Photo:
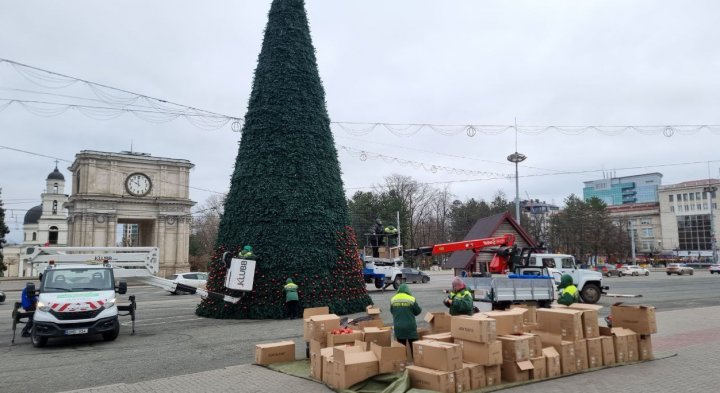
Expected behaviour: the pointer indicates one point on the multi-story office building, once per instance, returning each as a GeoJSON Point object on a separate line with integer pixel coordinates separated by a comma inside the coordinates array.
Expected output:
{"type": "Point", "coordinates": [616, 191]}
{"type": "Point", "coordinates": [642, 221]}
{"type": "Point", "coordinates": [688, 213]}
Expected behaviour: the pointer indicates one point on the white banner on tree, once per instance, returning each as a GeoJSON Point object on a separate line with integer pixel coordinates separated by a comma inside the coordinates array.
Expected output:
{"type": "Point", "coordinates": [240, 275]}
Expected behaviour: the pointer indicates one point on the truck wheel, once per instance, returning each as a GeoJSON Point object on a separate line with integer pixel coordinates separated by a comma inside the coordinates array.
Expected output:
{"type": "Point", "coordinates": [647, 273]}
{"type": "Point", "coordinates": [2, 296]}
{"type": "Point", "coordinates": [37, 341]}
{"type": "Point", "coordinates": [113, 334]}
{"type": "Point", "coordinates": [397, 282]}
{"type": "Point", "coordinates": [425, 280]}
{"type": "Point", "coordinates": [692, 272]}
{"type": "Point", "coordinates": [590, 293]}
{"type": "Point", "coordinates": [668, 274]}
{"type": "Point", "coordinates": [378, 283]}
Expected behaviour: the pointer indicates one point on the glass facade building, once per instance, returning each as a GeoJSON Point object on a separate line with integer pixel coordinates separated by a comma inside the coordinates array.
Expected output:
{"type": "Point", "coordinates": [615, 191]}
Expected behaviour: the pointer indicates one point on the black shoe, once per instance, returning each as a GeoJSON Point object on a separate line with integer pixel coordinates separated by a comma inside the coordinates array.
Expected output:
{"type": "Point", "coordinates": [25, 334]}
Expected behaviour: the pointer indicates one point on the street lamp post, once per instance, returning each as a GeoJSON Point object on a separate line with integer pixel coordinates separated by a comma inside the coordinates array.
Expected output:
{"type": "Point", "coordinates": [517, 158]}
{"type": "Point", "coordinates": [711, 191]}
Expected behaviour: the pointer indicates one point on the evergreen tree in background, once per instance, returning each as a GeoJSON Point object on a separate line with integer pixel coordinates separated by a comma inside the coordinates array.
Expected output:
{"type": "Point", "coordinates": [3, 231]}
{"type": "Point", "coordinates": [286, 195]}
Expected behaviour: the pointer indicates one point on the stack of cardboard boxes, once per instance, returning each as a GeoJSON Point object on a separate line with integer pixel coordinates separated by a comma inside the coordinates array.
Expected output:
{"type": "Point", "coordinates": [342, 360]}
{"type": "Point", "coordinates": [461, 353]}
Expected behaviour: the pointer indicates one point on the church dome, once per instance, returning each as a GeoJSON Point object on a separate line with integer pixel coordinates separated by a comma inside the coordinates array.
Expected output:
{"type": "Point", "coordinates": [56, 175]}
{"type": "Point", "coordinates": [33, 215]}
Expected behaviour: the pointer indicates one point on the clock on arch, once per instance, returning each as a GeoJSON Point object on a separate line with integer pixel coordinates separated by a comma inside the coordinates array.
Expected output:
{"type": "Point", "coordinates": [138, 184]}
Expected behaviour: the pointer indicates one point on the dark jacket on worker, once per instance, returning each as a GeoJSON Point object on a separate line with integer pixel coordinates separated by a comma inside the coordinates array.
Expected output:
{"type": "Point", "coordinates": [404, 308]}
{"type": "Point", "coordinates": [291, 291]}
{"type": "Point", "coordinates": [569, 292]}
{"type": "Point", "coordinates": [462, 302]}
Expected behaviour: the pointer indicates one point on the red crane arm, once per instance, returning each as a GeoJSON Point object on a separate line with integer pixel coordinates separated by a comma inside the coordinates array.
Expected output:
{"type": "Point", "coordinates": [474, 245]}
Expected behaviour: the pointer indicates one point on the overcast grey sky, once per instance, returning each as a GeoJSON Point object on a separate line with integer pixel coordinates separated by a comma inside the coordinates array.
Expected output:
{"type": "Point", "coordinates": [544, 63]}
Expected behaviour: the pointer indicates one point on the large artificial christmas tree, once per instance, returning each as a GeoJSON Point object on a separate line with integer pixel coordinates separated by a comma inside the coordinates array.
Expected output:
{"type": "Point", "coordinates": [286, 195]}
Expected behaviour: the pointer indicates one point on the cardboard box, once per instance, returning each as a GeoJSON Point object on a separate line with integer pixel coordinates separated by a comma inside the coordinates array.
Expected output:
{"type": "Point", "coordinates": [429, 379]}
{"type": "Point", "coordinates": [339, 339]}
{"type": "Point", "coordinates": [633, 347]}
{"type": "Point", "coordinates": [477, 375]}
{"type": "Point", "coordinates": [589, 318]}
{"type": "Point", "coordinates": [645, 350]}
{"type": "Point", "coordinates": [279, 352]}
{"type": "Point", "coordinates": [318, 326]}
{"type": "Point", "coordinates": [462, 380]}
{"type": "Point", "coordinates": [530, 317]}
{"type": "Point", "coordinates": [476, 328]}
{"type": "Point", "coordinates": [309, 312]}
{"type": "Point", "coordinates": [444, 337]}
{"type": "Point", "coordinates": [352, 366]}
{"type": "Point", "coordinates": [373, 310]}
{"type": "Point", "coordinates": [568, 363]}
{"type": "Point", "coordinates": [553, 368]}
{"type": "Point", "coordinates": [581, 356]}
{"type": "Point", "coordinates": [492, 375]}
{"type": "Point", "coordinates": [515, 347]}
{"type": "Point", "coordinates": [639, 319]}
{"type": "Point", "coordinates": [516, 371]}
{"type": "Point", "coordinates": [437, 355]}
{"type": "Point", "coordinates": [316, 358]}
{"type": "Point", "coordinates": [535, 344]}
{"type": "Point", "coordinates": [328, 370]}
{"type": "Point", "coordinates": [539, 370]}
{"type": "Point", "coordinates": [563, 321]}
{"type": "Point", "coordinates": [608, 350]}
{"type": "Point", "coordinates": [380, 336]}
{"type": "Point", "coordinates": [625, 343]}
{"type": "Point", "coordinates": [507, 322]}
{"type": "Point", "coordinates": [594, 352]}
{"type": "Point", "coordinates": [484, 354]}
{"type": "Point", "coordinates": [392, 359]}
{"type": "Point", "coordinates": [439, 321]}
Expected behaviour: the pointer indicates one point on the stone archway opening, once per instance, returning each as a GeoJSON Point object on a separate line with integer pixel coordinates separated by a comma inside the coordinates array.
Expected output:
{"type": "Point", "coordinates": [135, 233]}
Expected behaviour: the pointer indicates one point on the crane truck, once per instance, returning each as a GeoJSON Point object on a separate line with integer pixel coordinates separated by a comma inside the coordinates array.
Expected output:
{"type": "Point", "coordinates": [528, 274]}
{"type": "Point", "coordinates": [78, 289]}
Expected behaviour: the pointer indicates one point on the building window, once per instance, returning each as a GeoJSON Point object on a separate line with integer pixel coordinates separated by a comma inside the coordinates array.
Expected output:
{"type": "Point", "coordinates": [54, 211]}
{"type": "Point", "coordinates": [24, 236]}
{"type": "Point", "coordinates": [699, 206]}
{"type": "Point", "coordinates": [647, 232]}
{"type": "Point", "coordinates": [705, 205]}
{"type": "Point", "coordinates": [685, 197]}
{"type": "Point", "coordinates": [672, 209]}
{"type": "Point", "coordinates": [704, 194]}
{"type": "Point", "coordinates": [647, 246]}
{"type": "Point", "coordinates": [34, 236]}
{"type": "Point", "coordinates": [646, 221]}
{"type": "Point", "coordinates": [697, 195]}
{"type": "Point", "coordinates": [55, 188]}
{"type": "Point", "coordinates": [53, 235]}
{"type": "Point", "coordinates": [694, 232]}
{"type": "Point", "coordinates": [670, 197]}
{"type": "Point", "coordinates": [678, 198]}
{"type": "Point", "coordinates": [692, 196]}
{"type": "Point", "coordinates": [692, 207]}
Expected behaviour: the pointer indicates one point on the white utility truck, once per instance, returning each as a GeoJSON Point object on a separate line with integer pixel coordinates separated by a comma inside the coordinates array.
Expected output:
{"type": "Point", "coordinates": [383, 260]}
{"type": "Point", "coordinates": [588, 282]}
{"type": "Point", "coordinates": [78, 289]}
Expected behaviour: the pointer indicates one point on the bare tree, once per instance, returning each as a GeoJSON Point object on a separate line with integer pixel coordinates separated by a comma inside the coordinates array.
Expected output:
{"type": "Point", "coordinates": [204, 232]}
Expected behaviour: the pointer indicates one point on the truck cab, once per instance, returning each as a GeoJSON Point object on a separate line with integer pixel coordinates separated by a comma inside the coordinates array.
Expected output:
{"type": "Point", "coordinates": [588, 282]}
{"type": "Point", "coordinates": [76, 300]}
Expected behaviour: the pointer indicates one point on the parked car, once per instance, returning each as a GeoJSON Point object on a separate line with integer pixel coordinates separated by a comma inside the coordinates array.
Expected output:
{"type": "Point", "coordinates": [608, 270]}
{"type": "Point", "coordinates": [679, 269]}
{"type": "Point", "coordinates": [194, 279]}
{"type": "Point", "coordinates": [714, 269]}
{"type": "Point", "coordinates": [414, 275]}
{"type": "Point", "coordinates": [634, 270]}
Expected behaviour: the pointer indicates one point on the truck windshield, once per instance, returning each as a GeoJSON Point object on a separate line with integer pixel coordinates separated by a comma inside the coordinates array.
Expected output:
{"type": "Point", "coordinates": [75, 280]}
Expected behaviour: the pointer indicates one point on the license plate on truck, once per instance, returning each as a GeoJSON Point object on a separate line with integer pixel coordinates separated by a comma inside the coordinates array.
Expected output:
{"type": "Point", "coordinates": [69, 332]}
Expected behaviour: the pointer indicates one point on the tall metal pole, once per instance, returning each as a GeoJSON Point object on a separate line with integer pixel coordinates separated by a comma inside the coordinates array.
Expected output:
{"type": "Point", "coordinates": [517, 158]}
{"type": "Point", "coordinates": [710, 191]}
{"type": "Point", "coordinates": [632, 241]}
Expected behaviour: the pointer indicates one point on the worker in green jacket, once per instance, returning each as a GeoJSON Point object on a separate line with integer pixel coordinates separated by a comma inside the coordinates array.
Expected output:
{"type": "Point", "coordinates": [404, 308]}
{"type": "Point", "coordinates": [459, 300]}
{"type": "Point", "coordinates": [569, 292]}
{"type": "Point", "coordinates": [291, 298]}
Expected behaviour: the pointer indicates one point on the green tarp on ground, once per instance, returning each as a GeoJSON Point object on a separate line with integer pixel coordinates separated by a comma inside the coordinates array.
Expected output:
{"type": "Point", "coordinates": [400, 383]}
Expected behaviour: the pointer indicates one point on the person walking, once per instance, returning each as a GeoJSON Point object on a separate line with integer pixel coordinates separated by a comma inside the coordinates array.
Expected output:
{"type": "Point", "coordinates": [29, 303]}
{"type": "Point", "coordinates": [569, 292]}
{"type": "Point", "coordinates": [404, 308]}
{"type": "Point", "coordinates": [459, 300]}
{"type": "Point", "coordinates": [291, 298]}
